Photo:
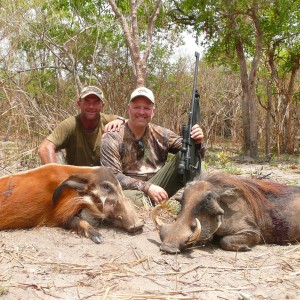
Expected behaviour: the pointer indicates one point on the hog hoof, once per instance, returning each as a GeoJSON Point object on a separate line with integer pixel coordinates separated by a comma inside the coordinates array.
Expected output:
{"type": "Point", "coordinates": [98, 239]}
{"type": "Point", "coordinates": [244, 248]}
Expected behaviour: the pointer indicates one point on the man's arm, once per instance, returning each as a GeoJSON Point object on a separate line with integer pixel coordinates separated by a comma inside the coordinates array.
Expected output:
{"type": "Point", "coordinates": [47, 152]}
{"type": "Point", "coordinates": [111, 157]}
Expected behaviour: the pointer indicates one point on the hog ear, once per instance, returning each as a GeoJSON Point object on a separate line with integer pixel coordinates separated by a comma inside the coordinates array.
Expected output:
{"type": "Point", "coordinates": [217, 209]}
{"type": "Point", "coordinates": [213, 207]}
{"type": "Point", "coordinates": [229, 196]}
{"type": "Point", "coordinates": [76, 181]}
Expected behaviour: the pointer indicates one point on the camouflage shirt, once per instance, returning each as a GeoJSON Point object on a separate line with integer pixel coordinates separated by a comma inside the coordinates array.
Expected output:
{"type": "Point", "coordinates": [82, 147]}
{"type": "Point", "coordinates": [133, 166]}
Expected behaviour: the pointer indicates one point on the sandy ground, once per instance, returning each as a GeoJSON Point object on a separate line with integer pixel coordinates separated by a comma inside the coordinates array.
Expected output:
{"type": "Point", "coordinates": [52, 263]}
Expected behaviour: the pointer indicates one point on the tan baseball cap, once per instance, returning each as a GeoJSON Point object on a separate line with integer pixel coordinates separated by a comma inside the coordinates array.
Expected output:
{"type": "Point", "coordinates": [91, 90]}
{"type": "Point", "coordinates": [142, 91]}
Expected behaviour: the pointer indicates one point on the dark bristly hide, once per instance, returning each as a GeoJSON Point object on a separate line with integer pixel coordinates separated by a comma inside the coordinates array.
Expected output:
{"type": "Point", "coordinates": [238, 211]}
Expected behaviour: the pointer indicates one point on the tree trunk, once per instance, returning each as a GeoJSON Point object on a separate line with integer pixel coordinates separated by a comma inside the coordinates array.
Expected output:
{"type": "Point", "coordinates": [132, 34]}
{"type": "Point", "coordinates": [285, 136]}
{"type": "Point", "coordinates": [248, 81]}
{"type": "Point", "coordinates": [268, 120]}
{"type": "Point", "coordinates": [245, 113]}
{"type": "Point", "coordinates": [253, 117]}
{"type": "Point", "coordinates": [289, 98]}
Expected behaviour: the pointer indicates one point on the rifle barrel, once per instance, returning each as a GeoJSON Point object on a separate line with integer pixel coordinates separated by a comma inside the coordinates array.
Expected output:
{"type": "Point", "coordinates": [190, 162]}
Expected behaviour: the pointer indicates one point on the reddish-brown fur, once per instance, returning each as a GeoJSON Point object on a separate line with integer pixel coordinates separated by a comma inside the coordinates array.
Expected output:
{"type": "Point", "coordinates": [56, 195]}
{"type": "Point", "coordinates": [26, 198]}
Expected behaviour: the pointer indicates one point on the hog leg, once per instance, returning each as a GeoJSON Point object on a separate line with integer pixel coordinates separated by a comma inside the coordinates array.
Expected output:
{"type": "Point", "coordinates": [239, 242]}
{"type": "Point", "coordinates": [83, 228]}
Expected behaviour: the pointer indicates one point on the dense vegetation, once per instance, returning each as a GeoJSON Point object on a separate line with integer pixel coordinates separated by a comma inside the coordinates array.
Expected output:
{"type": "Point", "coordinates": [248, 75]}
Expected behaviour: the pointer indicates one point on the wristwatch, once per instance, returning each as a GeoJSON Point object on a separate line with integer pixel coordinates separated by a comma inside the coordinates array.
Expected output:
{"type": "Point", "coordinates": [122, 119]}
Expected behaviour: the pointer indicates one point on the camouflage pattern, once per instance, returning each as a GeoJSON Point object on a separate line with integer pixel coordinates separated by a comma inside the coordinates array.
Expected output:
{"type": "Point", "coordinates": [120, 151]}
{"type": "Point", "coordinates": [82, 147]}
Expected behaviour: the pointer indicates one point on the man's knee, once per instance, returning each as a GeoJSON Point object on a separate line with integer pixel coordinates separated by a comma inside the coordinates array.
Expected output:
{"type": "Point", "coordinates": [138, 198]}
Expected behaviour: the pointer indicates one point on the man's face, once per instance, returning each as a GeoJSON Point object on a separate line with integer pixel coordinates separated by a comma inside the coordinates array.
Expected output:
{"type": "Point", "coordinates": [141, 111]}
{"type": "Point", "coordinates": [90, 107]}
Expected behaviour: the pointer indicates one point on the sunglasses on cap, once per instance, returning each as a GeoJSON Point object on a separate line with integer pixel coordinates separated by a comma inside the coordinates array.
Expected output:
{"type": "Point", "coordinates": [140, 149]}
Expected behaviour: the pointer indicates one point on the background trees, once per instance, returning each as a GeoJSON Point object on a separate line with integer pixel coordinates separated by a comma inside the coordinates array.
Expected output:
{"type": "Point", "coordinates": [248, 77]}
{"type": "Point", "coordinates": [138, 34]}
{"type": "Point", "coordinates": [241, 35]}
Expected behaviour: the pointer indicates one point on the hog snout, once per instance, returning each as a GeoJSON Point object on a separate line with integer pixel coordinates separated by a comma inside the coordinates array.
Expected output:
{"type": "Point", "coordinates": [173, 246]}
{"type": "Point", "coordinates": [171, 242]}
{"type": "Point", "coordinates": [138, 226]}
{"type": "Point", "coordinates": [170, 248]}
{"type": "Point", "coordinates": [177, 237]}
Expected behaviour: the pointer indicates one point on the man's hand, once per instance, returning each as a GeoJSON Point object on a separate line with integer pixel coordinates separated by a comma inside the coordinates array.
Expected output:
{"type": "Point", "coordinates": [114, 125]}
{"type": "Point", "coordinates": [157, 194]}
{"type": "Point", "coordinates": [197, 134]}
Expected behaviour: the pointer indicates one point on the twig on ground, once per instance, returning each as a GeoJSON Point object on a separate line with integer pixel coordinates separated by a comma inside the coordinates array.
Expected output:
{"type": "Point", "coordinates": [291, 250]}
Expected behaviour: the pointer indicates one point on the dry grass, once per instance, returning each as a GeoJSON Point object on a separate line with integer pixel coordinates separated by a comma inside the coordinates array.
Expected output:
{"type": "Point", "coordinates": [201, 273]}
{"type": "Point", "coordinates": [187, 279]}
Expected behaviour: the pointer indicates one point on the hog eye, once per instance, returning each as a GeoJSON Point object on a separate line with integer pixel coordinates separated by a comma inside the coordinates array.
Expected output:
{"type": "Point", "coordinates": [106, 186]}
{"type": "Point", "coordinates": [204, 203]}
{"type": "Point", "coordinates": [208, 196]}
{"type": "Point", "coordinates": [110, 203]}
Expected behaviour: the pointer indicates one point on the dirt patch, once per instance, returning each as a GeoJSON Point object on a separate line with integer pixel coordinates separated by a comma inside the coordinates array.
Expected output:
{"type": "Point", "coordinates": [52, 263]}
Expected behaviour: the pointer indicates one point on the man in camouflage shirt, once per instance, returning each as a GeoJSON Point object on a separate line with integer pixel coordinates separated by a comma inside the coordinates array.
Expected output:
{"type": "Point", "coordinates": [80, 135]}
{"type": "Point", "coordinates": [138, 153]}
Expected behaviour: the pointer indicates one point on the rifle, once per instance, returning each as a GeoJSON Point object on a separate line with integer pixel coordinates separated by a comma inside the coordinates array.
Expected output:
{"type": "Point", "coordinates": [190, 161]}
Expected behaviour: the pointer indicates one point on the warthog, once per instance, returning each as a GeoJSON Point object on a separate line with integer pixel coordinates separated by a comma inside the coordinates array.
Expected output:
{"type": "Point", "coordinates": [76, 198]}
{"type": "Point", "coordinates": [238, 212]}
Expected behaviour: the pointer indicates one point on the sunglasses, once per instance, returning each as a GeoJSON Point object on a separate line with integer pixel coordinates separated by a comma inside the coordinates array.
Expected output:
{"type": "Point", "coordinates": [140, 150]}
{"type": "Point", "coordinates": [87, 103]}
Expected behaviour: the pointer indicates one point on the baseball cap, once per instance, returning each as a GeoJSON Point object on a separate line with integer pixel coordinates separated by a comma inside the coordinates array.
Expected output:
{"type": "Point", "coordinates": [91, 90]}
{"type": "Point", "coordinates": [142, 91]}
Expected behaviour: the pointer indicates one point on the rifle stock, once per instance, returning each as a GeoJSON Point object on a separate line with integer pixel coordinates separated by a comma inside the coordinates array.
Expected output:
{"type": "Point", "coordinates": [190, 161]}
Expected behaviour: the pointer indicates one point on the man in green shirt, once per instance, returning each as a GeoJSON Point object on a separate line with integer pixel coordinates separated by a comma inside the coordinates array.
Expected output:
{"type": "Point", "coordinates": [81, 135]}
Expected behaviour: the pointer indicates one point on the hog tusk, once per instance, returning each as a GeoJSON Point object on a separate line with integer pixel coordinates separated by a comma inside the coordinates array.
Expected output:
{"type": "Point", "coordinates": [193, 238]}
{"type": "Point", "coordinates": [156, 220]}
{"type": "Point", "coordinates": [219, 222]}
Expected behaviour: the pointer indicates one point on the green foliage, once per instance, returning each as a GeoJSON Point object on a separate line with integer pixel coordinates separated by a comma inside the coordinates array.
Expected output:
{"type": "Point", "coordinates": [221, 160]}
{"type": "Point", "coordinates": [214, 20]}
{"type": "Point", "coordinates": [172, 206]}
{"type": "Point", "coordinates": [49, 43]}
{"type": "Point", "coordinates": [218, 159]}
{"type": "Point", "coordinates": [46, 80]}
